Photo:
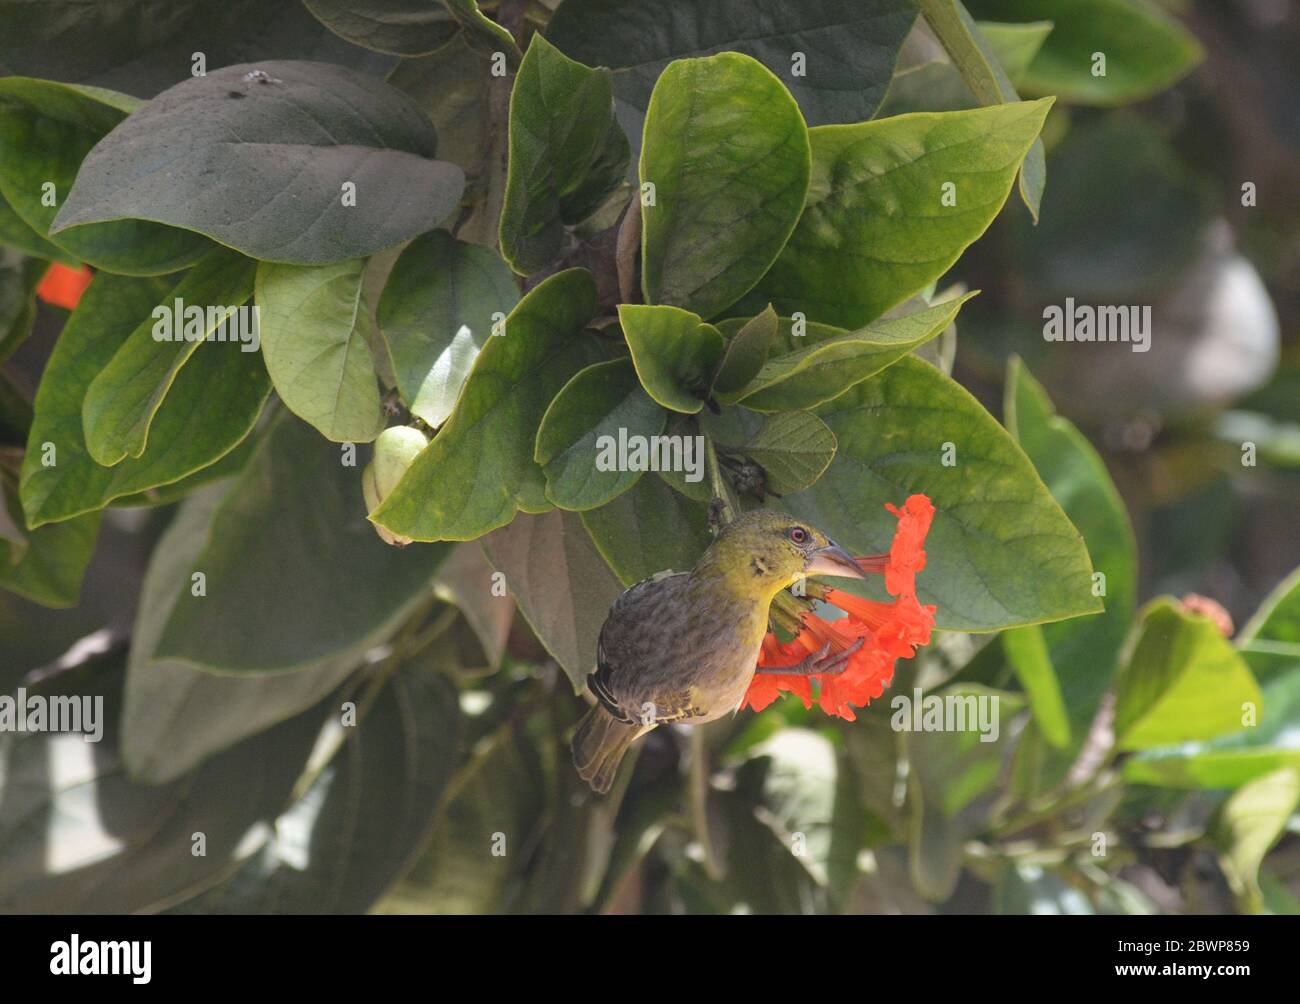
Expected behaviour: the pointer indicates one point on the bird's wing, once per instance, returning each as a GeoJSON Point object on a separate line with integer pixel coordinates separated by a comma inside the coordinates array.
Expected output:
{"type": "Point", "coordinates": [618, 657]}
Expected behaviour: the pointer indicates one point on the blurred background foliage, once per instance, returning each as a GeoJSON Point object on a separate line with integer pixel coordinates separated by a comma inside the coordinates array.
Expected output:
{"type": "Point", "coordinates": [454, 792]}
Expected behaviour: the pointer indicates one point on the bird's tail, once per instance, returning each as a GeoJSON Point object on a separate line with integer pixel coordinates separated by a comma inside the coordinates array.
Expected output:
{"type": "Point", "coordinates": [598, 747]}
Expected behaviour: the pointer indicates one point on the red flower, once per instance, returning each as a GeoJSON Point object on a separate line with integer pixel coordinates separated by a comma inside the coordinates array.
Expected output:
{"type": "Point", "coordinates": [63, 286]}
{"type": "Point", "coordinates": [890, 631]}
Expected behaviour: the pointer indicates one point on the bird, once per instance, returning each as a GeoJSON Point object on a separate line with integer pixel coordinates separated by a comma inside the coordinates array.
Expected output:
{"type": "Point", "coordinates": [683, 646]}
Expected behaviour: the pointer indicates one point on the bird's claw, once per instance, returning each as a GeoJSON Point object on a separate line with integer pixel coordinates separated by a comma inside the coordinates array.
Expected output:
{"type": "Point", "coordinates": [820, 663]}
{"type": "Point", "coordinates": [833, 665]}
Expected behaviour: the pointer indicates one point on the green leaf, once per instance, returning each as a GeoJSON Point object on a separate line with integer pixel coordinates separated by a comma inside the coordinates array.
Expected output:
{"type": "Point", "coordinates": [315, 328]}
{"type": "Point", "coordinates": [1085, 652]}
{"type": "Point", "coordinates": [126, 45]}
{"type": "Point", "coordinates": [1250, 822]}
{"type": "Point", "coordinates": [980, 67]}
{"type": "Point", "coordinates": [436, 314]}
{"type": "Point", "coordinates": [748, 346]}
{"type": "Point", "coordinates": [15, 232]}
{"type": "Point", "coordinates": [567, 153]}
{"type": "Point", "coordinates": [727, 151]}
{"type": "Point", "coordinates": [649, 529]}
{"type": "Point", "coordinates": [48, 570]}
{"type": "Point", "coordinates": [48, 129]}
{"type": "Point", "coordinates": [794, 448]}
{"type": "Point", "coordinates": [820, 363]}
{"type": "Point", "coordinates": [305, 133]}
{"type": "Point", "coordinates": [577, 442]}
{"type": "Point", "coordinates": [1015, 45]}
{"type": "Point", "coordinates": [1236, 758]}
{"type": "Point", "coordinates": [562, 585]}
{"type": "Point", "coordinates": [875, 230]}
{"type": "Point", "coordinates": [1027, 652]}
{"type": "Point", "coordinates": [800, 777]}
{"type": "Point", "coordinates": [452, 86]}
{"type": "Point", "coordinates": [90, 839]}
{"type": "Point", "coordinates": [338, 847]}
{"type": "Point", "coordinates": [19, 277]}
{"type": "Point", "coordinates": [1182, 681]}
{"type": "Point", "coordinates": [1146, 49]}
{"type": "Point", "coordinates": [850, 49]}
{"type": "Point", "coordinates": [1270, 641]}
{"type": "Point", "coordinates": [176, 716]}
{"type": "Point", "coordinates": [212, 405]}
{"type": "Point", "coordinates": [674, 352]}
{"type": "Point", "coordinates": [401, 27]}
{"type": "Point", "coordinates": [291, 526]}
{"type": "Point", "coordinates": [1000, 552]}
{"type": "Point", "coordinates": [479, 470]}
{"type": "Point", "coordinates": [123, 400]}
{"type": "Point", "coordinates": [466, 580]}
{"type": "Point", "coordinates": [499, 793]}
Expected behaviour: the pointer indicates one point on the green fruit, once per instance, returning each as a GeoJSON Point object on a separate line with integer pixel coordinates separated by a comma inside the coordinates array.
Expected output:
{"type": "Point", "coordinates": [395, 450]}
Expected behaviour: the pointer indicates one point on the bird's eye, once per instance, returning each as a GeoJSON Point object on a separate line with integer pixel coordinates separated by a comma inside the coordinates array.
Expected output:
{"type": "Point", "coordinates": [798, 534]}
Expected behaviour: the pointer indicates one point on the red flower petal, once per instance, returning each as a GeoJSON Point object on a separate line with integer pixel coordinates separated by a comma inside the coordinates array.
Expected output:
{"type": "Point", "coordinates": [62, 286]}
{"type": "Point", "coordinates": [889, 631]}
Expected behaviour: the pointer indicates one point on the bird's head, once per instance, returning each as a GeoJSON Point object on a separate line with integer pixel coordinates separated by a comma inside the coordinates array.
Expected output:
{"type": "Point", "coordinates": [763, 552]}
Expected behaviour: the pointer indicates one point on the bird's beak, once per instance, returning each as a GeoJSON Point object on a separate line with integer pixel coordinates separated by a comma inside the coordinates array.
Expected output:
{"type": "Point", "coordinates": [833, 560]}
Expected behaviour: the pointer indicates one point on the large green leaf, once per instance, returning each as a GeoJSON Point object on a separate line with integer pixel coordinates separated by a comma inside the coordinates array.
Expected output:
{"type": "Point", "coordinates": [130, 46]}
{"type": "Point", "coordinates": [436, 314]}
{"type": "Point", "coordinates": [1083, 653]}
{"type": "Point", "coordinates": [1249, 823]}
{"type": "Point", "coordinates": [315, 326]}
{"type": "Point", "coordinates": [1001, 552]}
{"type": "Point", "coordinates": [123, 400]}
{"type": "Point", "coordinates": [1146, 50]}
{"type": "Point", "coordinates": [562, 585]}
{"type": "Point", "coordinates": [1182, 681]}
{"type": "Point", "coordinates": [46, 131]}
{"type": "Point", "coordinates": [479, 470]}
{"type": "Point", "coordinates": [304, 132]}
{"type": "Point", "coordinates": [602, 405]}
{"type": "Point", "coordinates": [567, 153]}
{"type": "Point", "coordinates": [175, 716]}
{"type": "Point", "coordinates": [727, 152]}
{"type": "Point", "coordinates": [821, 362]}
{"type": "Point", "coordinates": [649, 529]}
{"type": "Point", "coordinates": [292, 531]}
{"type": "Point", "coordinates": [402, 27]}
{"type": "Point", "coordinates": [339, 847]}
{"type": "Point", "coordinates": [675, 354]}
{"type": "Point", "coordinates": [876, 229]}
{"type": "Point", "coordinates": [212, 405]}
{"type": "Point", "coordinates": [849, 49]}
{"type": "Point", "coordinates": [1235, 758]}
{"type": "Point", "coordinates": [77, 835]}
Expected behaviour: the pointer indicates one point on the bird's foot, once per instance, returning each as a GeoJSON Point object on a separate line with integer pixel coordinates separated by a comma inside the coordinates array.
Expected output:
{"type": "Point", "coordinates": [820, 663]}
